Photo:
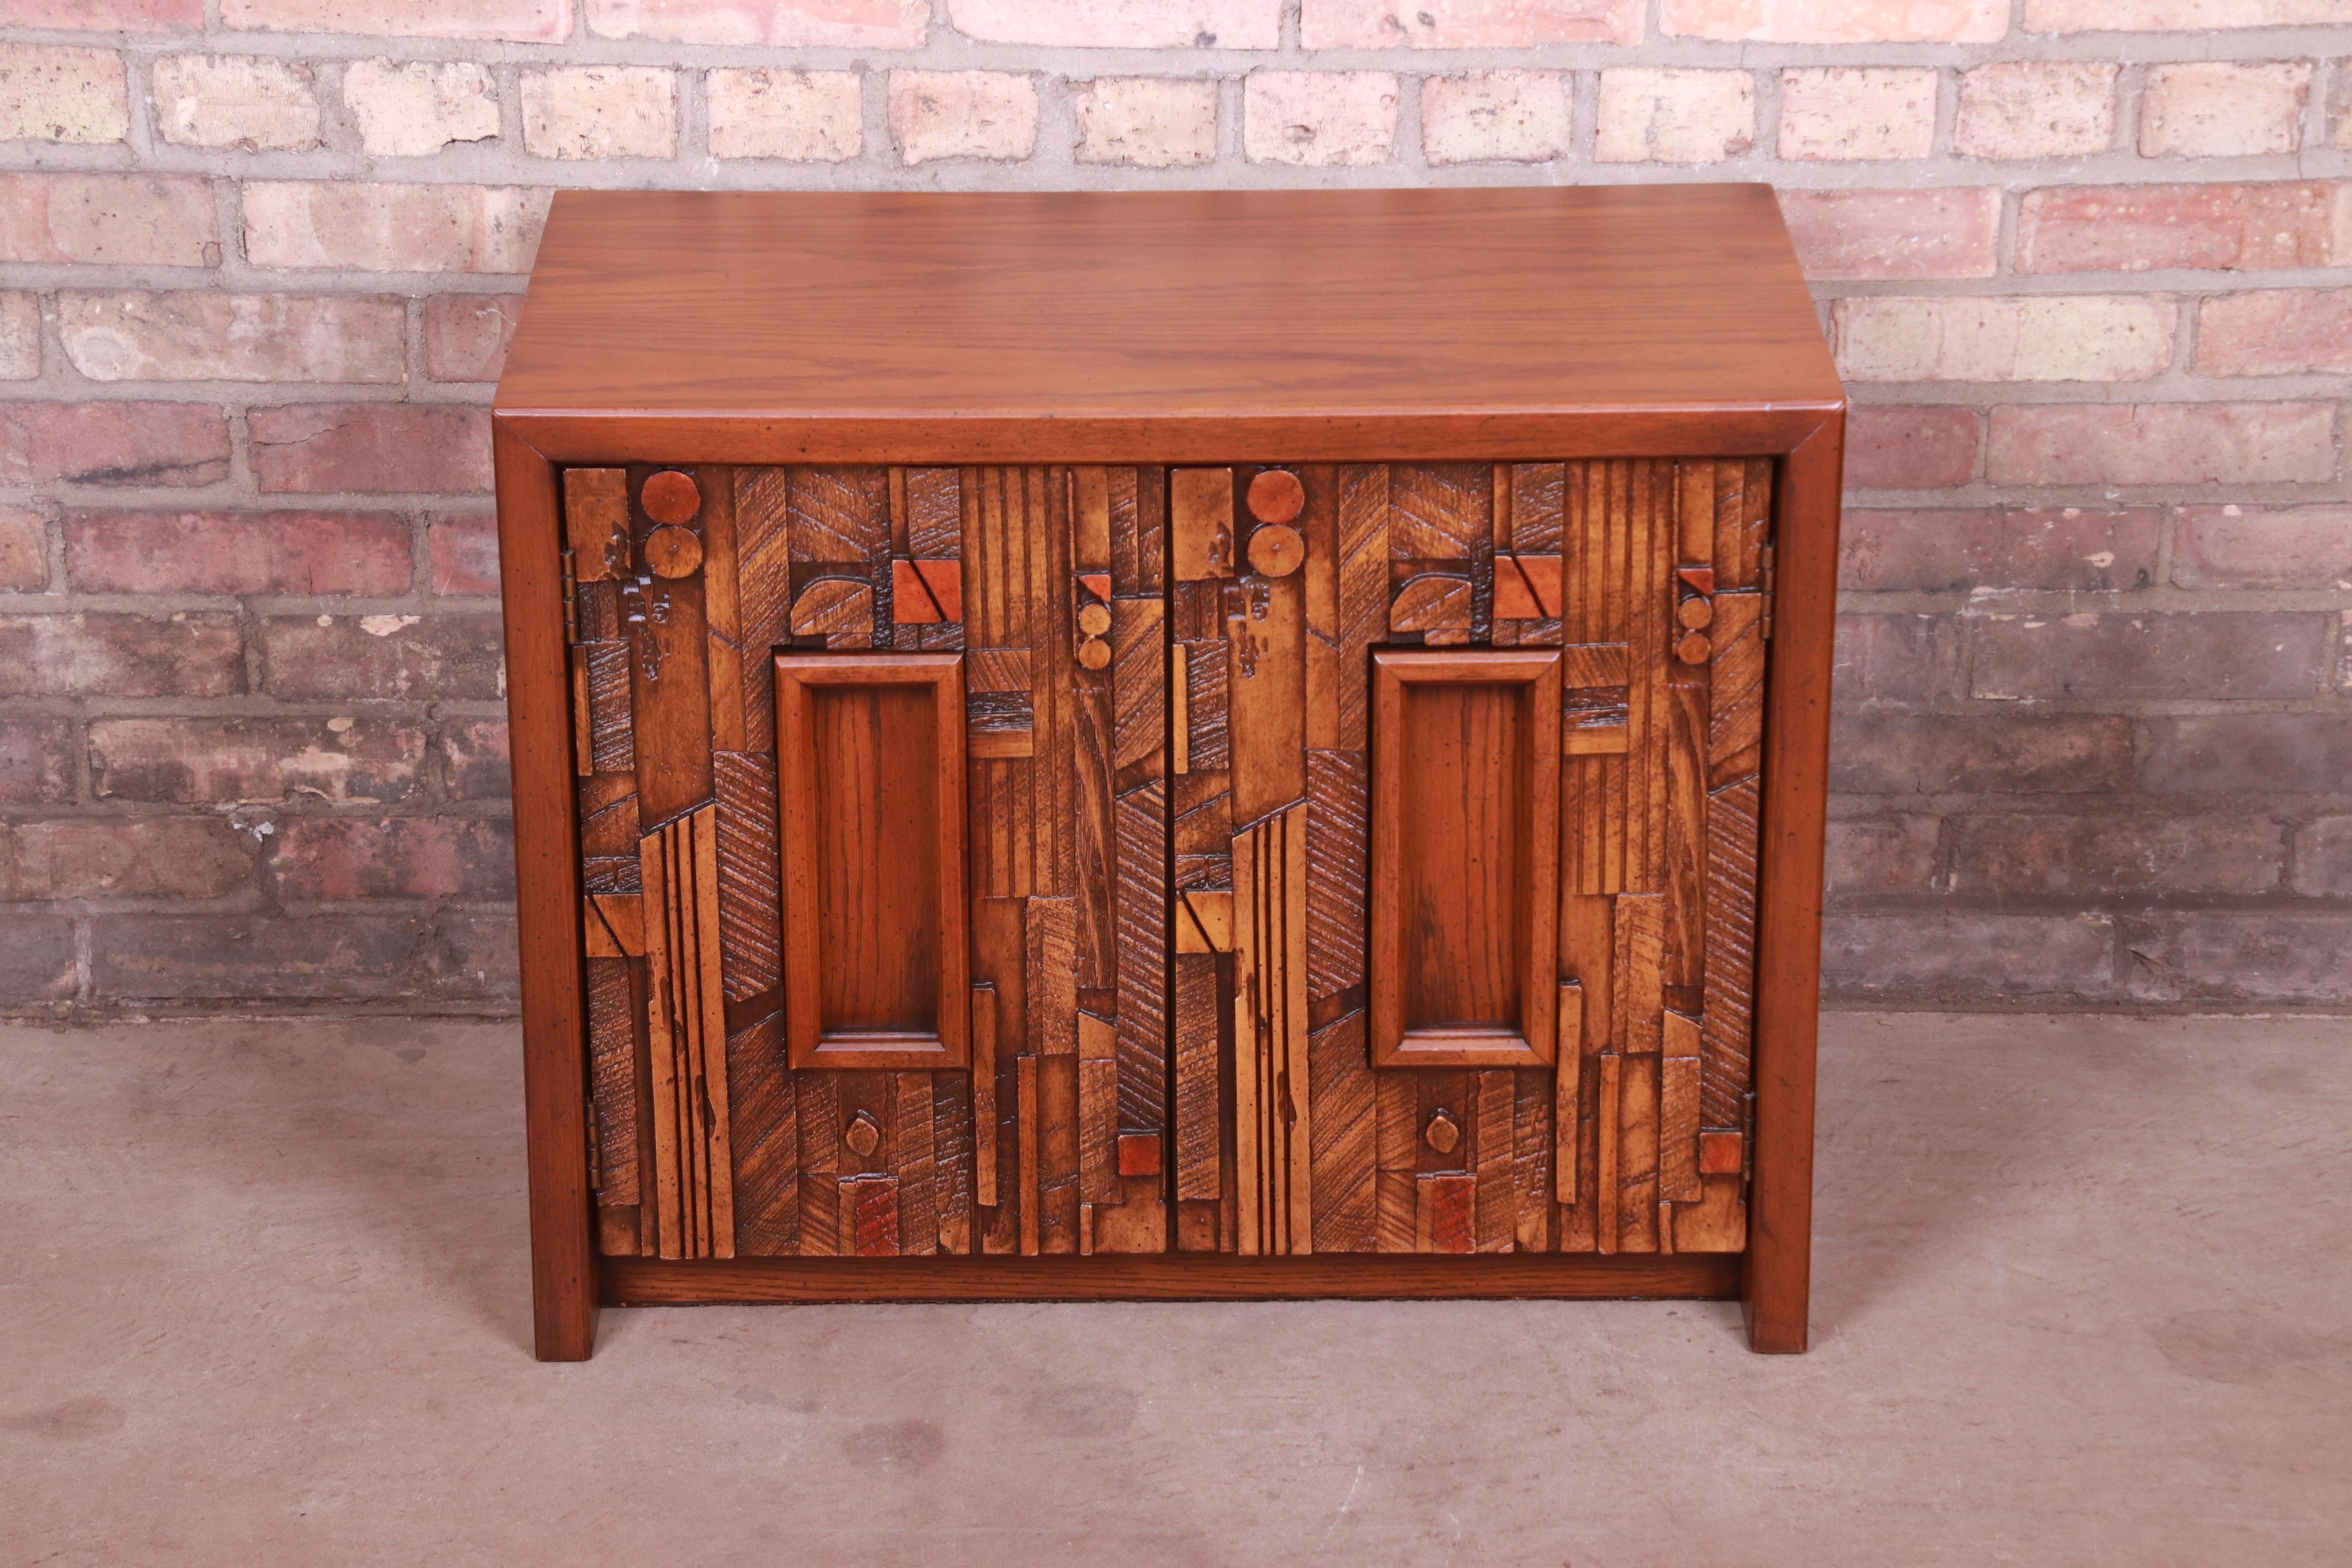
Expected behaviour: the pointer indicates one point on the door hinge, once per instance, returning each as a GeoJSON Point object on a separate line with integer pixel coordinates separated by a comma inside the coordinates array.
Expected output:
{"type": "Point", "coordinates": [595, 1153]}
{"type": "Point", "coordinates": [571, 600]}
{"type": "Point", "coordinates": [1764, 580]}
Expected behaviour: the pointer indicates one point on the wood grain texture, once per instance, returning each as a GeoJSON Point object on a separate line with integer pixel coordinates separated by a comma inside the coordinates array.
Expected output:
{"type": "Point", "coordinates": [1736, 700]}
{"type": "Point", "coordinates": [1272, 1111]}
{"type": "Point", "coordinates": [1196, 1010]}
{"type": "Point", "coordinates": [669, 694]}
{"type": "Point", "coordinates": [1639, 971]}
{"type": "Point", "coordinates": [1730, 952]}
{"type": "Point", "coordinates": [1143, 945]}
{"type": "Point", "coordinates": [751, 935]}
{"type": "Point", "coordinates": [1362, 532]}
{"type": "Point", "coordinates": [1684, 766]}
{"type": "Point", "coordinates": [693, 1167]}
{"type": "Point", "coordinates": [1201, 524]}
{"type": "Point", "coordinates": [1495, 1130]}
{"type": "Point", "coordinates": [1438, 510]}
{"type": "Point", "coordinates": [1345, 1138]}
{"type": "Point", "coordinates": [1337, 844]}
{"type": "Point", "coordinates": [1568, 1092]}
{"type": "Point", "coordinates": [763, 1130]}
{"type": "Point", "coordinates": [597, 522]}
{"type": "Point", "coordinates": [1265, 640]}
{"type": "Point", "coordinates": [613, 1078]}
{"type": "Point", "coordinates": [913, 1128]}
{"type": "Point", "coordinates": [1531, 1160]}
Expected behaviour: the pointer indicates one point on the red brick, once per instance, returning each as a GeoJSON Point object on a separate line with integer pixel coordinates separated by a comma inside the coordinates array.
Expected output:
{"type": "Point", "coordinates": [444, 658]}
{"type": "Point", "coordinates": [1919, 753]}
{"type": "Point", "coordinates": [108, 15]}
{"type": "Point", "coordinates": [371, 446]}
{"type": "Point", "coordinates": [474, 752]}
{"type": "Point", "coordinates": [1896, 658]}
{"type": "Point", "coordinates": [258, 958]}
{"type": "Point", "coordinates": [465, 548]}
{"type": "Point", "coordinates": [23, 550]}
{"type": "Point", "coordinates": [1951, 549]}
{"type": "Point", "coordinates": [128, 444]}
{"type": "Point", "coordinates": [118, 220]}
{"type": "Point", "coordinates": [466, 335]}
{"type": "Point", "coordinates": [472, 958]}
{"type": "Point", "coordinates": [2275, 331]}
{"type": "Point", "coordinates": [2246, 753]}
{"type": "Point", "coordinates": [104, 655]}
{"type": "Point", "coordinates": [37, 760]}
{"type": "Point", "coordinates": [210, 336]}
{"type": "Point", "coordinates": [1467, 24]}
{"type": "Point", "coordinates": [2254, 547]}
{"type": "Point", "coordinates": [238, 551]}
{"type": "Point", "coordinates": [1966, 956]}
{"type": "Point", "coordinates": [2190, 654]}
{"type": "Point", "coordinates": [2134, 228]}
{"type": "Point", "coordinates": [1878, 855]}
{"type": "Point", "coordinates": [1913, 447]}
{"type": "Point", "coordinates": [215, 761]}
{"type": "Point", "coordinates": [337, 858]}
{"type": "Point", "coordinates": [2162, 444]}
{"type": "Point", "coordinates": [1844, 113]}
{"type": "Point", "coordinates": [2218, 955]}
{"type": "Point", "coordinates": [37, 958]}
{"type": "Point", "coordinates": [515, 21]}
{"type": "Point", "coordinates": [2223, 108]}
{"type": "Point", "coordinates": [1952, 231]}
{"type": "Point", "coordinates": [2323, 859]}
{"type": "Point", "coordinates": [374, 226]}
{"type": "Point", "coordinates": [144, 857]}
{"type": "Point", "coordinates": [20, 336]}
{"type": "Point", "coordinates": [2108, 853]}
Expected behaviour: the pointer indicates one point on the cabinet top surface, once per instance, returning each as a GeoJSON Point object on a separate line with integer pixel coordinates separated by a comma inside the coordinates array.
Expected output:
{"type": "Point", "coordinates": [1167, 305]}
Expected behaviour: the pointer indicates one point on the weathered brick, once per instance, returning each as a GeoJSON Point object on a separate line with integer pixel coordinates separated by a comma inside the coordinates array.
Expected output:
{"type": "Point", "coordinates": [2323, 859]}
{"type": "Point", "coordinates": [2134, 228]}
{"type": "Point", "coordinates": [778, 24]}
{"type": "Point", "coordinates": [1892, 446]}
{"type": "Point", "coordinates": [241, 100]}
{"type": "Point", "coordinates": [2036, 109]}
{"type": "Point", "coordinates": [1318, 119]}
{"type": "Point", "coordinates": [141, 857]}
{"type": "Point", "coordinates": [1846, 112]}
{"type": "Point", "coordinates": [413, 109]}
{"type": "Point", "coordinates": [116, 220]}
{"type": "Point", "coordinates": [1947, 233]}
{"type": "Point", "coordinates": [474, 958]}
{"type": "Point", "coordinates": [1896, 658]}
{"type": "Point", "coordinates": [238, 551]}
{"type": "Point", "coordinates": [393, 228]}
{"type": "Point", "coordinates": [2206, 654]}
{"type": "Point", "coordinates": [1920, 753]}
{"type": "Point", "coordinates": [513, 21]}
{"type": "Point", "coordinates": [20, 337]}
{"type": "Point", "coordinates": [445, 658]}
{"type": "Point", "coordinates": [1674, 116]}
{"type": "Point", "coordinates": [2223, 108]}
{"type": "Point", "coordinates": [600, 111]}
{"type": "Point", "coordinates": [1145, 122]}
{"type": "Point", "coordinates": [1494, 117]}
{"type": "Point", "coordinates": [2275, 331]}
{"type": "Point", "coordinates": [215, 761]}
{"type": "Point", "coordinates": [2090, 337]}
{"type": "Point", "coordinates": [1836, 21]}
{"type": "Point", "coordinates": [804, 116]}
{"type": "Point", "coordinates": [376, 447]}
{"type": "Point", "coordinates": [113, 442]}
{"type": "Point", "coordinates": [2108, 853]}
{"type": "Point", "coordinates": [465, 551]}
{"type": "Point", "coordinates": [474, 752]}
{"type": "Point", "coordinates": [2246, 753]}
{"type": "Point", "coordinates": [2175, 16]}
{"type": "Point", "coordinates": [2229, 956]}
{"type": "Point", "coordinates": [466, 335]}
{"type": "Point", "coordinates": [1949, 955]}
{"type": "Point", "coordinates": [1122, 24]}
{"type": "Point", "coordinates": [192, 336]}
{"type": "Point", "coordinates": [962, 114]}
{"type": "Point", "coordinates": [36, 760]}
{"type": "Point", "coordinates": [1949, 550]}
{"type": "Point", "coordinates": [37, 958]}
{"type": "Point", "coordinates": [1467, 24]}
{"type": "Point", "coordinates": [2262, 547]}
{"type": "Point", "coordinates": [55, 94]}
{"type": "Point", "coordinates": [23, 550]}
{"type": "Point", "coordinates": [108, 15]}
{"type": "Point", "coordinates": [100, 654]}
{"type": "Point", "coordinates": [1879, 855]}
{"type": "Point", "coordinates": [331, 858]}
{"type": "Point", "coordinates": [2162, 444]}
{"type": "Point", "coordinates": [251, 958]}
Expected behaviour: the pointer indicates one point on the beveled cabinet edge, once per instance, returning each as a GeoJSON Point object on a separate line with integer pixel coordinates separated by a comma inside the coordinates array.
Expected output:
{"type": "Point", "coordinates": [1807, 440]}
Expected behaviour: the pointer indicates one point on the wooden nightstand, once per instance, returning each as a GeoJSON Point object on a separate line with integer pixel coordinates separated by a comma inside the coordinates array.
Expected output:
{"type": "Point", "coordinates": [1184, 745]}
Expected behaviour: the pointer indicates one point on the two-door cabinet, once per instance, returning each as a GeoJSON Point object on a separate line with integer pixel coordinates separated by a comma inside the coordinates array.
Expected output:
{"type": "Point", "coordinates": [1184, 745]}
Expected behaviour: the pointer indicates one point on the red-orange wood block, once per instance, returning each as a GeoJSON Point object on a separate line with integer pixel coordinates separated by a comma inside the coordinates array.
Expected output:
{"type": "Point", "coordinates": [875, 1216]}
{"type": "Point", "coordinates": [1700, 578]}
{"type": "Point", "coordinates": [1276, 496]}
{"type": "Point", "coordinates": [1138, 1153]}
{"type": "Point", "coordinates": [1097, 583]}
{"type": "Point", "coordinates": [671, 496]}
{"type": "Point", "coordinates": [925, 593]}
{"type": "Point", "coordinates": [1719, 1154]}
{"type": "Point", "coordinates": [1527, 587]}
{"type": "Point", "coordinates": [1452, 1207]}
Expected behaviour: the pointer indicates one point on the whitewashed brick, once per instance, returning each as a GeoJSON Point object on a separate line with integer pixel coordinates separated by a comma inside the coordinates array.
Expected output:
{"type": "Point", "coordinates": [1467, 24]}
{"type": "Point", "coordinates": [2099, 337]}
{"type": "Point", "coordinates": [1495, 117]}
{"type": "Point", "coordinates": [777, 24]}
{"type": "Point", "coordinates": [1339, 119]}
{"type": "Point", "coordinates": [804, 116]}
{"type": "Point", "coordinates": [600, 111]}
{"type": "Point", "coordinates": [239, 101]}
{"type": "Point", "coordinates": [193, 336]}
{"type": "Point", "coordinates": [1122, 24]}
{"type": "Point", "coordinates": [1837, 21]}
{"type": "Point", "coordinates": [1844, 112]}
{"type": "Point", "coordinates": [20, 337]}
{"type": "Point", "coordinates": [2223, 108]}
{"type": "Point", "coordinates": [393, 228]}
{"type": "Point", "coordinates": [1146, 122]}
{"type": "Point", "coordinates": [2037, 109]}
{"type": "Point", "coordinates": [62, 95]}
{"type": "Point", "coordinates": [518, 21]}
{"type": "Point", "coordinates": [413, 109]}
{"type": "Point", "coordinates": [962, 114]}
{"type": "Point", "coordinates": [1675, 116]}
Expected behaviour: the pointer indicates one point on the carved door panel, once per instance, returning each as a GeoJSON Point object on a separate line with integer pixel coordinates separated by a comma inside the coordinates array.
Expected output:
{"type": "Point", "coordinates": [960, 868]}
{"type": "Point", "coordinates": [1465, 779]}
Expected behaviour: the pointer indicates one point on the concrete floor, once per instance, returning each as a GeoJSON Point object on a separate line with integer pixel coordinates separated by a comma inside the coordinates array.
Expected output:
{"type": "Point", "coordinates": [2083, 1296]}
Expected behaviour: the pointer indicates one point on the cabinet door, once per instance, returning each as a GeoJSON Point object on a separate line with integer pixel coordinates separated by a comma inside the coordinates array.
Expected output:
{"type": "Point", "coordinates": [827, 1016]}
{"type": "Point", "coordinates": [1466, 828]}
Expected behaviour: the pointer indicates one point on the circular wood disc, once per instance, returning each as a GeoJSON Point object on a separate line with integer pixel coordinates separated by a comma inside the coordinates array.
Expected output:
{"type": "Point", "coordinates": [1276, 551]}
{"type": "Point", "coordinates": [670, 497]}
{"type": "Point", "coordinates": [672, 552]}
{"type": "Point", "coordinates": [1094, 619]}
{"type": "Point", "coordinates": [1276, 496]}
{"type": "Point", "coordinates": [863, 1134]}
{"type": "Point", "coordinates": [1093, 653]}
{"type": "Point", "coordinates": [1442, 1133]}
{"type": "Point", "coordinates": [1695, 612]}
{"type": "Point", "coordinates": [1692, 649]}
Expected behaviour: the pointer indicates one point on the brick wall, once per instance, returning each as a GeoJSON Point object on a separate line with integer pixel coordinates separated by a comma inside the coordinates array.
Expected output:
{"type": "Point", "coordinates": [259, 260]}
